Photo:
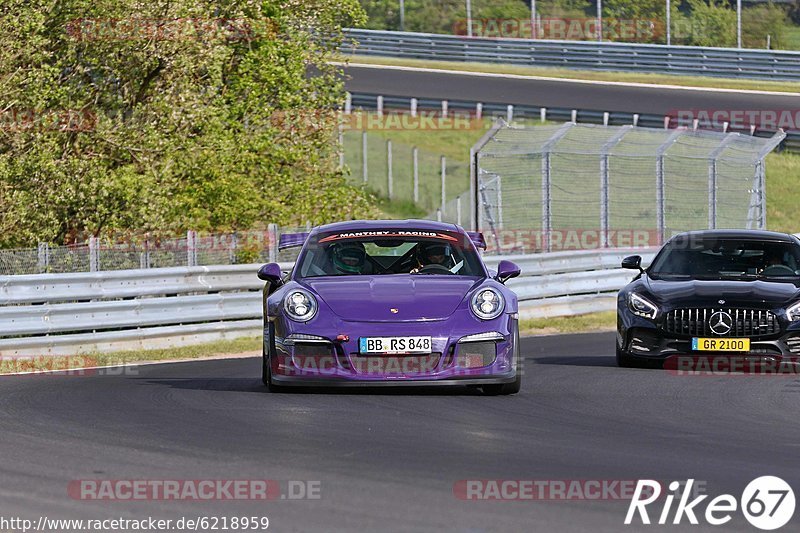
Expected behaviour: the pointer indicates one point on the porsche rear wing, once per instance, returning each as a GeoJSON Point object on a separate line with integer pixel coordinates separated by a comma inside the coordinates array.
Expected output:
{"type": "Point", "coordinates": [477, 239]}
{"type": "Point", "coordinates": [292, 240]}
{"type": "Point", "coordinates": [295, 240]}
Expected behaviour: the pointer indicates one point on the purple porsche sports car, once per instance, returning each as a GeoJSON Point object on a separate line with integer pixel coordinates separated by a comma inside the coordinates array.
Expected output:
{"type": "Point", "coordinates": [390, 303]}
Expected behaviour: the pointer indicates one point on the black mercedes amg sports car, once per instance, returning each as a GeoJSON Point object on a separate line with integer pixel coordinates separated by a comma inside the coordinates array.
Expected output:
{"type": "Point", "coordinates": [715, 292]}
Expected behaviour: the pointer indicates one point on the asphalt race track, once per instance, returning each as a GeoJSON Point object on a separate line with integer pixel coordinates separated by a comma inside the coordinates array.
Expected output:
{"type": "Point", "coordinates": [388, 461]}
{"type": "Point", "coordinates": [543, 93]}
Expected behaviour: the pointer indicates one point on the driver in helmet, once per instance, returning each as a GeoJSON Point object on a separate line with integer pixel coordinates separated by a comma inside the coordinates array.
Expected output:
{"type": "Point", "coordinates": [433, 254]}
{"type": "Point", "coordinates": [348, 257]}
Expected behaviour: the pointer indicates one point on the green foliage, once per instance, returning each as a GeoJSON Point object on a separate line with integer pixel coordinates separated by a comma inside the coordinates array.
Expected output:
{"type": "Point", "coordinates": [762, 20]}
{"type": "Point", "coordinates": [710, 23]}
{"type": "Point", "coordinates": [177, 130]}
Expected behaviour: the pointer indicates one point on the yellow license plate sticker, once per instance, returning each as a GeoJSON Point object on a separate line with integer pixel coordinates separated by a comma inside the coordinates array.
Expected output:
{"type": "Point", "coordinates": [720, 345]}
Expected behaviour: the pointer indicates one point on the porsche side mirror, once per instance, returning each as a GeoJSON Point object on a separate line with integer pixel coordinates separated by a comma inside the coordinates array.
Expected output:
{"type": "Point", "coordinates": [271, 273]}
{"type": "Point", "coordinates": [506, 270]}
{"type": "Point", "coordinates": [633, 262]}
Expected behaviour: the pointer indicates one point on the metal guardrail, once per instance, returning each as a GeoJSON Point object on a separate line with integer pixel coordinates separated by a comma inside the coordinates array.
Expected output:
{"type": "Point", "coordinates": [369, 102]}
{"type": "Point", "coordinates": [67, 314]}
{"type": "Point", "coordinates": [586, 55]}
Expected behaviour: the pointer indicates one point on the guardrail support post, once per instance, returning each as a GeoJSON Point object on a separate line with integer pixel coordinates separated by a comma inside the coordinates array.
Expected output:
{"type": "Point", "coordinates": [380, 105]}
{"type": "Point", "coordinates": [43, 257]}
{"type": "Point", "coordinates": [543, 114]}
{"type": "Point", "coordinates": [510, 114]}
{"type": "Point", "coordinates": [444, 108]}
{"type": "Point", "coordinates": [415, 170]}
{"type": "Point", "coordinates": [272, 232]}
{"type": "Point", "coordinates": [389, 176]}
{"type": "Point", "coordinates": [479, 111]}
{"type": "Point", "coordinates": [348, 103]}
{"type": "Point", "coordinates": [414, 107]}
{"type": "Point", "coordinates": [94, 254]}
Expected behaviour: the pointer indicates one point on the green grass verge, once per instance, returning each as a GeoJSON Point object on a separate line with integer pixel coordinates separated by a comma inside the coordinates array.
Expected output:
{"type": "Point", "coordinates": [222, 347]}
{"type": "Point", "coordinates": [654, 79]}
{"type": "Point", "coordinates": [603, 321]}
{"type": "Point", "coordinates": [783, 195]}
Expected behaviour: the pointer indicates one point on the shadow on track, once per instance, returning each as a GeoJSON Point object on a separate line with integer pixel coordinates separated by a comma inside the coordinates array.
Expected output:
{"type": "Point", "coordinates": [591, 360]}
{"type": "Point", "coordinates": [255, 385]}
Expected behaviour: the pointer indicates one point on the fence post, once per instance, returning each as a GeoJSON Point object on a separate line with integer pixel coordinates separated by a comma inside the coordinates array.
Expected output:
{"type": "Point", "coordinates": [439, 215]}
{"type": "Point", "coordinates": [43, 257]}
{"type": "Point", "coordinates": [547, 220]}
{"type": "Point", "coordinates": [660, 188]}
{"type": "Point", "coordinates": [364, 170]}
{"type": "Point", "coordinates": [444, 182]}
{"type": "Point", "coordinates": [341, 145]}
{"type": "Point", "coordinates": [234, 245]}
{"type": "Point", "coordinates": [144, 258]}
{"type": "Point", "coordinates": [94, 254]}
{"type": "Point", "coordinates": [191, 248]}
{"type": "Point", "coordinates": [604, 183]}
{"type": "Point", "coordinates": [272, 231]}
{"type": "Point", "coordinates": [415, 168]}
{"type": "Point", "coordinates": [458, 209]}
{"type": "Point", "coordinates": [712, 179]}
{"type": "Point", "coordinates": [389, 177]}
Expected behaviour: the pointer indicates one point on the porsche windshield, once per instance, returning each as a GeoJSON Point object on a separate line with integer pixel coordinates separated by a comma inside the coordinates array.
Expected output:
{"type": "Point", "coordinates": [362, 253]}
{"type": "Point", "coordinates": [727, 258]}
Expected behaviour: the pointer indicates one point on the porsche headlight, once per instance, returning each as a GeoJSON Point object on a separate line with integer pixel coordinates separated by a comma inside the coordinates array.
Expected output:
{"type": "Point", "coordinates": [488, 304]}
{"type": "Point", "coordinates": [300, 305]}
{"type": "Point", "coordinates": [640, 306]}
{"type": "Point", "coordinates": [793, 312]}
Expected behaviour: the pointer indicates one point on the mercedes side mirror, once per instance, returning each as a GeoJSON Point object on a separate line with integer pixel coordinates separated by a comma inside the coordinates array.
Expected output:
{"type": "Point", "coordinates": [633, 262]}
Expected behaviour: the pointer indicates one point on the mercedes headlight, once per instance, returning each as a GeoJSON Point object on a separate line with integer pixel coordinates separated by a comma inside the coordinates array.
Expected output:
{"type": "Point", "coordinates": [300, 305]}
{"type": "Point", "coordinates": [488, 304]}
{"type": "Point", "coordinates": [793, 312]}
{"type": "Point", "coordinates": [640, 306]}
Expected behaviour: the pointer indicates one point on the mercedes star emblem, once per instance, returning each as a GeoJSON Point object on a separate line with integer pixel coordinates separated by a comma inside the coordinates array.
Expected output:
{"type": "Point", "coordinates": [720, 323]}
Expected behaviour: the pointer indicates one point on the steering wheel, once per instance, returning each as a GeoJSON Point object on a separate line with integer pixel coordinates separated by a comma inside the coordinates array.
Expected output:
{"type": "Point", "coordinates": [434, 268]}
{"type": "Point", "coordinates": [777, 270]}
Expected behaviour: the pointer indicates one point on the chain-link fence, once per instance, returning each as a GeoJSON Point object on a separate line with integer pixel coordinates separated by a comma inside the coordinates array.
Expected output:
{"type": "Point", "coordinates": [144, 252]}
{"type": "Point", "coordinates": [584, 186]}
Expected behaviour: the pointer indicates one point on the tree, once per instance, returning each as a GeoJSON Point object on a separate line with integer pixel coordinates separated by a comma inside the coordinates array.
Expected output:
{"type": "Point", "coordinates": [117, 120]}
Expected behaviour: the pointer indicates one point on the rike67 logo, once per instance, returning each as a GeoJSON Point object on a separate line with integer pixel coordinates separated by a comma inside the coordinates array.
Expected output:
{"type": "Point", "coordinates": [767, 503]}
